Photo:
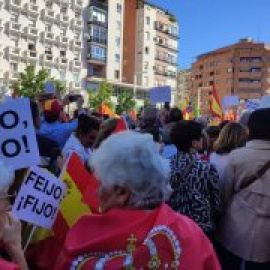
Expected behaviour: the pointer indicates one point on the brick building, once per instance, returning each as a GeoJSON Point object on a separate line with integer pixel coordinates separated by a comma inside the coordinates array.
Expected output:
{"type": "Point", "coordinates": [242, 69]}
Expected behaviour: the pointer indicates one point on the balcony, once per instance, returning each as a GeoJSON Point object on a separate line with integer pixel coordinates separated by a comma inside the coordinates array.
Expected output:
{"type": "Point", "coordinates": [97, 40]}
{"type": "Point", "coordinates": [31, 31]}
{"type": "Point", "coordinates": [14, 27]}
{"type": "Point", "coordinates": [48, 36]}
{"type": "Point", "coordinates": [32, 8]}
{"type": "Point", "coordinates": [63, 40]}
{"type": "Point", "coordinates": [253, 75]}
{"type": "Point", "coordinates": [31, 55]}
{"type": "Point", "coordinates": [14, 52]}
{"type": "Point", "coordinates": [96, 60]}
{"type": "Point", "coordinates": [47, 58]}
{"type": "Point", "coordinates": [98, 4]}
{"type": "Point", "coordinates": [63, 18]}
{"type": "Point", "coordinates": [15, 4]}
{"type": "Point", "coordinates": [48, 14]}
{"type": "Point", "coordinates": [77, 24]}
{"type": "Point", "coordinates": [62, 61]}
{"type": "Point", "coordinates": [161, 73]}
{"type": "Point", "coordinates": [78, 4]}
{"type": "Point", "coordinates": [164, 29]}
{"type": "Point", "coordinates": [165, 60]}
{"type": "Point", "coordinates": [77, 44]}
{"type": "Point", "coordinates": [14, 76]}
{"type": "Point", "coordinates": [166, 46]}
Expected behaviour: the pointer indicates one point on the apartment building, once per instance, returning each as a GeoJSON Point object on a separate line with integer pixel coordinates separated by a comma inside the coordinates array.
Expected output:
{"type": "Point", "coordinates": [44, 33]}
{"type": "Point", "coordinates": [156, 48]}
{"type": "Point", "coordinates": [132, 44]}
{"type": "Point", "coordinates": [184, 85]}
{"type": "Point", "coordinates": [105, 42]}
{"type": "Point", "coordinates": [242, 69]}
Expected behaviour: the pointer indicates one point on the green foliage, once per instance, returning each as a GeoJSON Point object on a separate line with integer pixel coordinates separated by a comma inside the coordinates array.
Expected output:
{"type": "Point", "coordinates": [125, 102]}
{"type": "Point", "coordinates": [60, 87]}
{"type": "Point", "coordinates": [102, 96]}
{"type": "Point", "coordinates": [30, 83]}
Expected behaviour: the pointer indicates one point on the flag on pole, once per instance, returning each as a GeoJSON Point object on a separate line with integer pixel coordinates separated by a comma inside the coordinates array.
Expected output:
{"type": "Point", "coordinates": [81, 198]}
{"type": "Point", "coordinates": [215, 105]}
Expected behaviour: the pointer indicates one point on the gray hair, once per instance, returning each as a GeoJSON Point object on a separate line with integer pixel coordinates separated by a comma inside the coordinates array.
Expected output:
{"type": "Point", "coordinates": [132, 159]}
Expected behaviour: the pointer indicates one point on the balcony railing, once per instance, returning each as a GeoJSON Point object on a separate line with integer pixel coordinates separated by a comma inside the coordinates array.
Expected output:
{"type": "Point", "coordinates": [15, 27]}
{"type": "Point", "coordinates": [48, 58]}
{"type": "Point", "coordinates": [97, 40]}
{"type": "Point", "coordinates": [166, 60]}
{"type": "Point", "coordinates": [15, 75]}
{"type": "Point", "coordinates": [92, 57]}
{"type": "Point", "coordinates": [166, 46]}
{"type": "Point", "coordinates": [16, 3]}
{"type": "Point", "coordinates": [48, 13]}
{"type": "Point", "coordinates": [32, 8]}
{"type": "Point", "coordinates": [62, 39]}
{"type": "Point", "coordinates": [13, 51]}
{"type": "Point", "coordinates": [49, 36]}
{"type": "Point", "coordinates": [31, 31]}
{"type": "Point", "coordinates": [97, 22]}
{"type": "Point", "coordinates": [30, 54]}
{"type": "Point", "coordinates": [63, 18]}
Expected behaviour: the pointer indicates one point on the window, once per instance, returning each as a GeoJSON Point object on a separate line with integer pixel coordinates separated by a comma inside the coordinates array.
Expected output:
{"type": "Point", "coordinates": [146, 66]}
{"type": "Point", "coordinates": [76, 56]}
{"type": "Point", "coordinates": [62, 32]}
{"type": "Point", "coordinates": [31, 47]}
{"type": "Point", "coordinates": [98, 52]}
{"type": "Point", "coordinates": [117, 57]}
{"type": "Point", "coordinates": [48, 27]}
{"type": "Point", "coordinates": [147, 35]}
{"type": "Point", "coordinates": [118, 41]}
{"type": "Point", "coordinates": [62, 74]}
{"type": "Point", "coordinates": [33, 2]}
{"type": "Point", "coordinates": [98, 16]}
{"type": "Point", "coordinates": [49, 5]}
{"type": "Point", "coordinates": [63, 53]}
{"type": "Point", "coordinates": [145, 80]}
{"type": "Point", "coordinates": [148, 20]}
{"type": "Point", "coordinates": [99, 34]}
{"type": "Point", "coordinates": [48, 49]}
{"type": "Point", "coordinates": [118, 25]}
{"type": "Point", "coordinates": [76, 77]}
{"type": "Point", "coordinates": [14, 67]}
{"type": "Point", "coordinates": [116, 74]}
{"type": "Point", "coordinates": [119, 8]}
{"type": "Point", "coordinates": [14, 17]}
{"type": "Point", "coordinates": [32, 22]}
{"type": "Point", "coordinates": [147, 50]}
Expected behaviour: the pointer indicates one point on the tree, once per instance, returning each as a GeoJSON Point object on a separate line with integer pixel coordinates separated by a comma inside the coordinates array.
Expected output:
{"type": "Point", "coordinates": [102, 96]}
{"type": "Point", "coordinates": [31, 84]}
{"type": "Point", "coordinates": [59, 86]}
{"type": "Point", "coordinates": [126, 102]}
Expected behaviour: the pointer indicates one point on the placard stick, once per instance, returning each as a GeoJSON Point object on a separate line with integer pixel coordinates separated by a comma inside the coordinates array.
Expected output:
{"type": "Point", "coordinates": [30, 238]}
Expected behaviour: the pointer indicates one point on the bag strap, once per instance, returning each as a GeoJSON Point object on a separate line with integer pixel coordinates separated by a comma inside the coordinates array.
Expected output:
{"type": "Point", "coordinates": [250, 180]}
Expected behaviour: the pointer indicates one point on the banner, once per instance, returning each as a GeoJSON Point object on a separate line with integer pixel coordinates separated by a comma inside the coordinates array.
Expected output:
{"type": "Point", "coordinates": [49, 87]}
{"type": "Point", "coordinates": [39, 198]}
{"type": "Point", "coordinates": [18, 144]}
{"type": "Point", "coordinates": [160, 94]}
{"type": "Point", "coordinates": [230, 101]}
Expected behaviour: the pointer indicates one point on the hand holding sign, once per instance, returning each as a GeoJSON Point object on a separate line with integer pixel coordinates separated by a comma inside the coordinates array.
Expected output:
{"type": "Point", "coordinates": [39, 198]}
{"type": "Point", "coordinates": [18, 145]}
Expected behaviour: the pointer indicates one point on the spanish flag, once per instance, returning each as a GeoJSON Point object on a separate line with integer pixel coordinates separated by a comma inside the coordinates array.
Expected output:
{"type": "Point", "coordinates": [81, 198]}
{"type": "Point", "coordinates": [104, 109]}
{"type": "Point", "coordinates": [215, 107]}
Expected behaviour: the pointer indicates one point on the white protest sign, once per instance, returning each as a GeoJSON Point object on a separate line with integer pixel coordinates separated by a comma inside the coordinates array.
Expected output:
{"type": "Point", "coordinates": [18, 144]}
{"type": "Point", "coordinates": [39, 198]}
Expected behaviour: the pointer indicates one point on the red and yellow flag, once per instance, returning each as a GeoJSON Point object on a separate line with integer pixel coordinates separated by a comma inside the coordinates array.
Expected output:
{"type": "Point", "coordinates": [104, 109]}
{"type": "Point", "coordinates": [81, 198]}
{"type": "Point", "coordinates": [121, 125]}
{"type": "Point", "coordinates": [215, 106]}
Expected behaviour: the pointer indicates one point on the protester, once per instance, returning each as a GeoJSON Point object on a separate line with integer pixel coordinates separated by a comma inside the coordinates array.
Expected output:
{"type": "Point", "coordinates": [49, 150]}
{"type": "Point", "coordinates": [82, 140]}
{"type": "Point", "coordinates": [232, 136]}
{"type": "Point", "coordinates": [52, 128]}
{"type": "Point", "coordinates": [213, 133]}
{"type": "Point", "coordinates": [136, 230]}
{"type": "Point", "coordinates": [11, 252]}
{"type": "Point", "coordinates": [195, 182]}
{"type": "Point", "coordinates": [244, 228]}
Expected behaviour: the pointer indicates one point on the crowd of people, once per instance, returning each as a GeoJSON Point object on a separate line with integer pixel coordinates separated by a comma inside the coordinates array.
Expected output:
{"type": "Point", "coordinates": [174, 193]}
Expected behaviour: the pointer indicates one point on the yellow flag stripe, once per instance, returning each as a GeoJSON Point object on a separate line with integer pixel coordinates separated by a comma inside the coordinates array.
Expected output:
{"type": "Point", "coordinates": [72, 206]}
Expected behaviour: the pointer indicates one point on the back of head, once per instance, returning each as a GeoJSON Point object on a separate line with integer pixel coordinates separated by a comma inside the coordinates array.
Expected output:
{"type": "Point", "coordinates": [259, 125]}
{"type": "Point", "coordinates": [52, 110]}
{"type": "Point", "coordinates": [87, 123]}
{"type": "Point", "coordinates": [149, 117]}
{"type": "Point", "coordinates": [184, 133]}
{"type": "Point", "coordinates": [232, 136]}
{"type": "Point", "coordinates": [212, 131]}
{"type": "Point", "coordinates": [132, 159]}
{"type": "Point", "coordinates": [244, 118]}
{"type": "Point", "coordinates": [175, 115]}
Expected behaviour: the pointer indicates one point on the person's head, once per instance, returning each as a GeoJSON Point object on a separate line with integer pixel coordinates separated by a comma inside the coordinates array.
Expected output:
{"type": "Point", "coordinates": [52, 110]}
{"type": "Point", "coordinates": [259, 125]}
{"type": "Point", "coordinates": [149, 117]}
{"type": "Point", "coordinates": [213, 133]}
{"type": "Point", "coordinates": [131, 172]}
{"type": "Point", "coordinates": [175, 115]}
{"type": "Point", "coordinates": [232, 136]}
{"type": "Point", "coordinates": [244, 118]}
{"type": "Point", "coordinates": [106, 129]}
{"type": "Point", "coordinates": [35, 114]}
{"type": "Point", "coordinates": [87, 130]}
{"type": "Point", "coordinates": [187, 136]}
{"type": "Point", "coordinates": [223, 124]}
{"type": "Point", "coordinates": [6, 179]}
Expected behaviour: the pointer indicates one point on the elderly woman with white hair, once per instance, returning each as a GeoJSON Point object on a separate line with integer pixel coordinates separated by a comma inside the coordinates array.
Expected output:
{"type": "Point", "coordinates": [137, 230]}
{"type": "Point", "coordinates": [11, 252]}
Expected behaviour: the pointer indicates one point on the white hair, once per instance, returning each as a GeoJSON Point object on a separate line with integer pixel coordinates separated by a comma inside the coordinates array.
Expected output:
{"type": "Point", "coordinates": [6, 177]}
{"type": "Point", "coordinates": [132, 159]}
